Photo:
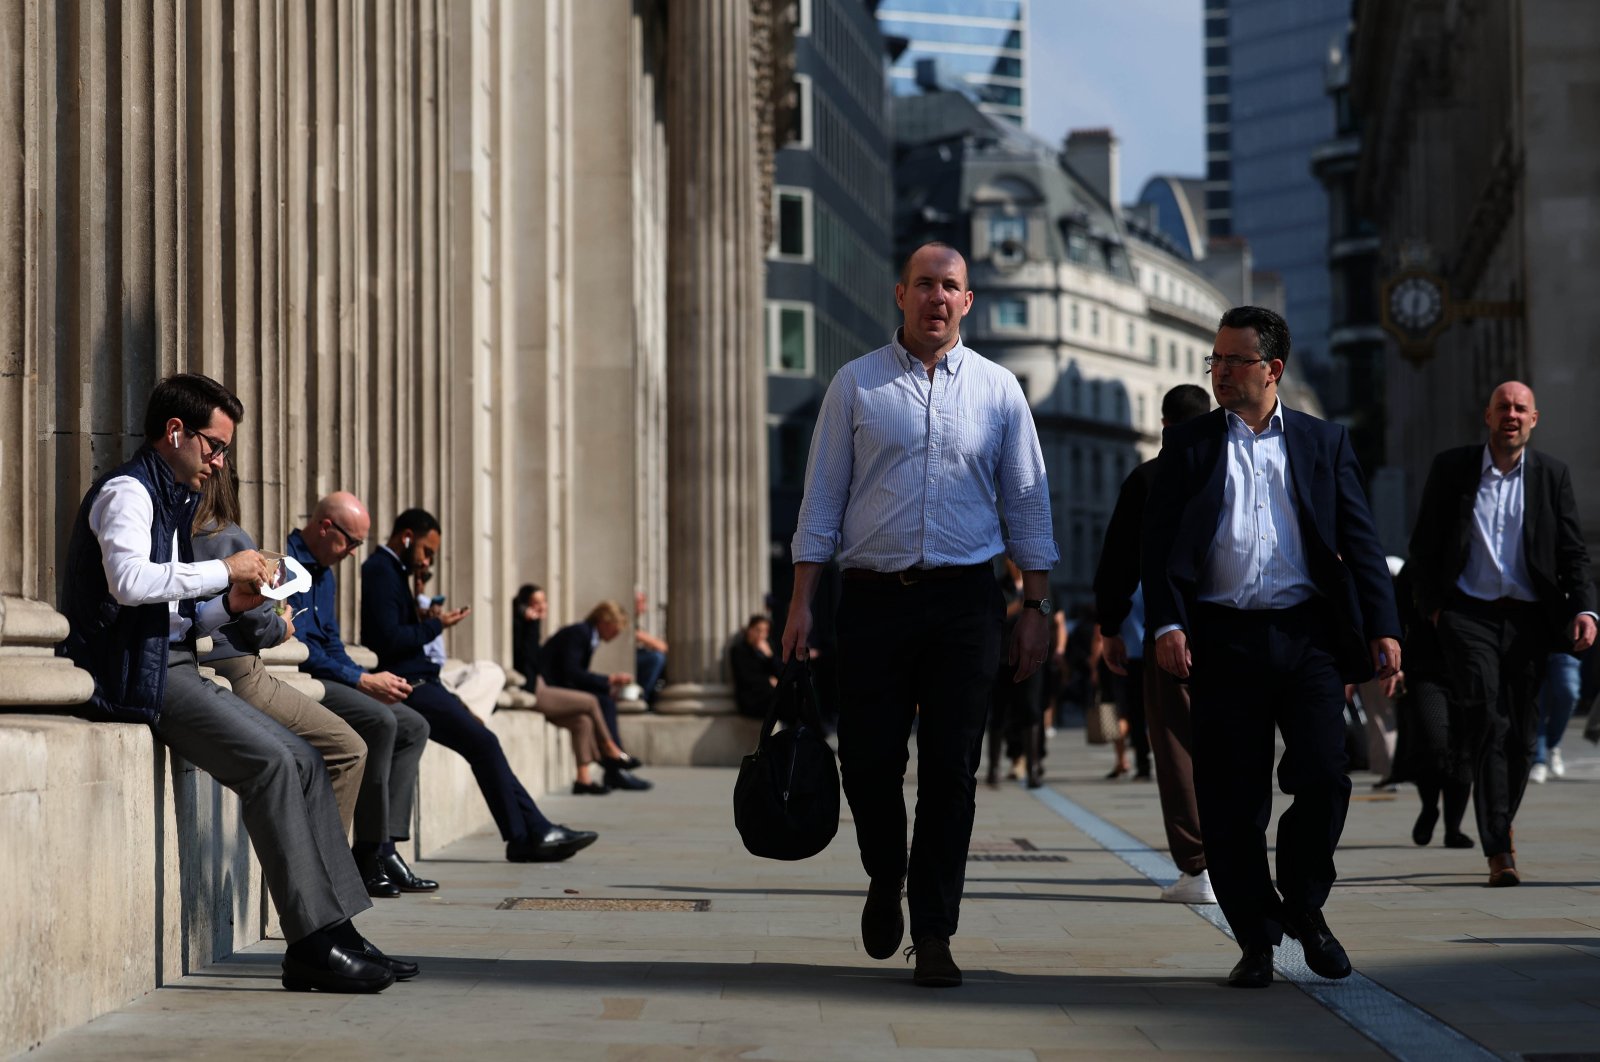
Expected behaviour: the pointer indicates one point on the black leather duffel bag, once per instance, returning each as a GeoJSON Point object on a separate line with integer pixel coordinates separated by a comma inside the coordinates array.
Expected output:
{"type": "Point", "coordinates": [786, 802]}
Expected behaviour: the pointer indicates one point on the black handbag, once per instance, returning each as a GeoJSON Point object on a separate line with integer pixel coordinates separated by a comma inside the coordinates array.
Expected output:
{"type": "Point", "coordinates": [786, 801]}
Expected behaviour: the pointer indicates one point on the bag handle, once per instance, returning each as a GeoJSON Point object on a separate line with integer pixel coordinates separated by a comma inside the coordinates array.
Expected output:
{"type": "Point", "coordinates": [794, 683]}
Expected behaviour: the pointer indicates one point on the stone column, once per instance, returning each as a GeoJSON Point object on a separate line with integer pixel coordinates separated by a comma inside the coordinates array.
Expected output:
{"type": "Point", "coordinates": [31, 675]}
{"type": "Point", "coordinates": [716, 443]}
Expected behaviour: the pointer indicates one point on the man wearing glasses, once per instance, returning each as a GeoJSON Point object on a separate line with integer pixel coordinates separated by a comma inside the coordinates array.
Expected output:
{"type": "Point", "coordinates": [129, 593]}
{"type": "Point", "coordinates": [395, 734]}
{"type": "Point", "coordinates": [1267, 591]}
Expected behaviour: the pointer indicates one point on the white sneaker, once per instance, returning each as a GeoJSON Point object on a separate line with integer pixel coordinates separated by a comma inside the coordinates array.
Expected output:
{"type": "Point", "coordinates": [1558, 766]}
{"type": "Point", "coordinates": [1190, 888]}
{"type": "Point", "coordinates": [1539, 775]}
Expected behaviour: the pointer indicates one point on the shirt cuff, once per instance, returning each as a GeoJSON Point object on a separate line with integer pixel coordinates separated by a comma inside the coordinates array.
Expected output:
{"type": "Point", "coordinates": [215, 574]}
{"type": "Point", "coordinates": [1034, 554]}
{"type": "Point", "coordinates": [1168, 629]}
{"type": "Point", "coordinates": [211, 614]}
{"type": "Point", "coordinates": [808, 547]}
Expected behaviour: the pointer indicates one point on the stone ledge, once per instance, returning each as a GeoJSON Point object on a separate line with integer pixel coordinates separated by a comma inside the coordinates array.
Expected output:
{"type": "Point", "coordinates": [689, 740]}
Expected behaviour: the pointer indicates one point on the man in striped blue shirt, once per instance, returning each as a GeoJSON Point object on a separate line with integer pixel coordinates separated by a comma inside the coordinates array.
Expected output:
{"type": "Point", "coordinates": [1267, 590]}
{"type": "Point", "coordinates": [915, 445]}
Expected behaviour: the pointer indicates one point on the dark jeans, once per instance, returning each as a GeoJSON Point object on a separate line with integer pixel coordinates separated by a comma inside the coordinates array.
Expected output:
{"type": "Point", "coordinates": [1254, 669]}
{"type": "Point", "coordinates": [457, 729]}
{"type": "Point", "coordinates": [924, 653]}
{"type": "Point", "coordinates": [648, 667]}
{"type": "Point", "coordinates": [1496, 658]}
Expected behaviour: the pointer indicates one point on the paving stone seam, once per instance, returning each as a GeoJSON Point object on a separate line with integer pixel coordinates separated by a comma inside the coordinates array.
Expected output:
{"type": "Point", "coordinates": [1396, 1025]}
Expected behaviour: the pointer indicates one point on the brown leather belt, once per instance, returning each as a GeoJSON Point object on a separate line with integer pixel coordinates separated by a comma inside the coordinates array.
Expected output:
{"type": "Point", "coordinates": [913, 575]}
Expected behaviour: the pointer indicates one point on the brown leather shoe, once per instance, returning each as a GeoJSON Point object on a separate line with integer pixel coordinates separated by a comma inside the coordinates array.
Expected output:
{"type": "Point", "coordinates": [1503, 871]}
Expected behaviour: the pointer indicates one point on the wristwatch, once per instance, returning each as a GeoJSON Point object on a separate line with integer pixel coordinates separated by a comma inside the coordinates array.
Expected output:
{"type": "Point", "coordinates": [1043, 604]}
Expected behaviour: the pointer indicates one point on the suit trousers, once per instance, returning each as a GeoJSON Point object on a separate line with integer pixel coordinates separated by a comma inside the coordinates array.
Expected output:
{"type": "Point", "coordinates": [1166, 705]}
{"type": "Point", "coordinates": [396, 737]}
{"type": "Point", "coordinates": [344, 753]}
{"type": "Point", "coordinates": [1253, 669]}
{"type": "Point", "coordinates": [450, 724]}
{"type": "Point", "coordinates": [1496, 658]}
{"type": "Point", "coordinates": [282, 784]}
{"type": "Point", "coordinates": [923, 653]}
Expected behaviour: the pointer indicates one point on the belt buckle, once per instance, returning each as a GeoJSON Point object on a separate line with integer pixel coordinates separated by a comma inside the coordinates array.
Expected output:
{"type": "Point", "coordinates": [905, 581]}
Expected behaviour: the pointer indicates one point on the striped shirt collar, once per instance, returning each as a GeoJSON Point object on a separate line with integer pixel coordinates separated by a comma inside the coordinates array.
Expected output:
{"type": "Point", "coordinates": [951, 362]}
{"type": "Point", "coordinates": [1273, 422]}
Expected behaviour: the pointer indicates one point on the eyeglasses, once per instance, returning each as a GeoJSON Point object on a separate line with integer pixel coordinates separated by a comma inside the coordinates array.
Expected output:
{"type": "Point", "coordinates": [215, 449]}
{"type": "Point", "coordinates": [1232, 361]}
{"type": "Point", "coordinates": [352, 541]}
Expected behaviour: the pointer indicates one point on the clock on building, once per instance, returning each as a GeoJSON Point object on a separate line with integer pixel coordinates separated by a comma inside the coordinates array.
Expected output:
{"type": "Point", "coordinates": [1416, 302]}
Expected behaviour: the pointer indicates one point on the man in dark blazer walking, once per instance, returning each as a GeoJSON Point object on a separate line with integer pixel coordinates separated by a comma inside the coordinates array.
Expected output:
{"type": "Point", "coordinates": [1266, 589]}
{"type": "Point", "coordinates": [1502, 572]}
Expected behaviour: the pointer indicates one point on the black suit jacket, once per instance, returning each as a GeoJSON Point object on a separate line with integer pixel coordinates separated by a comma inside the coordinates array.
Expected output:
{"type": "Point", "coordinates": [1552, 539]}
{"type": "Point", "coordinates": [1343, 555]}
{"type": "Point", "coordinates": [1117, 575]}
{"type": "Point", "coordinates": [390, 625]}
{"type": "Point", "coordinates": [566, 660]}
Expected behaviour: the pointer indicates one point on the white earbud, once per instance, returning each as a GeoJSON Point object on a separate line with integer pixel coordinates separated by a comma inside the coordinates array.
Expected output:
{"type": "Point", "coordinates": [174, 438]}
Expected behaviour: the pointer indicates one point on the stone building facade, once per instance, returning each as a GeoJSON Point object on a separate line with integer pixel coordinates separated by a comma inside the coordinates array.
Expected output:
{"type": "Point", "coordinates": [501, 260]}
{"type": "Point", "coordinates": [1480, 159]}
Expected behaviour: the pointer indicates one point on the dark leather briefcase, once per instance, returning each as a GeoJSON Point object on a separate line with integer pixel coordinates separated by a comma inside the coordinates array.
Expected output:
{"type": "Point", "coordinates": [786, 802]}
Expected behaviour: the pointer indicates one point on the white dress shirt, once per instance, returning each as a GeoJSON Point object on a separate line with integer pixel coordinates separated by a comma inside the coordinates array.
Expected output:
{"type": "Point", "coordinates": [1496, 566]}
{"type": "Point", "coordinates": [906, 471]}
{"type": "Point", "coordinates": [120, 519]}
{"type": "Point", "coordinates": [1258, 558]}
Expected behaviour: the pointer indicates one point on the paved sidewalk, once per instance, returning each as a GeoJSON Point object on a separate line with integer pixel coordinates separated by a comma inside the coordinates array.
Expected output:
{"type": "Point", "coordinates": [1066, 952]}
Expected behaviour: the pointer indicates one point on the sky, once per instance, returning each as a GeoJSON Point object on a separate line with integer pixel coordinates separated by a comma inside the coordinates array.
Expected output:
{"type": "Point", "coordinates": [1133, 65]}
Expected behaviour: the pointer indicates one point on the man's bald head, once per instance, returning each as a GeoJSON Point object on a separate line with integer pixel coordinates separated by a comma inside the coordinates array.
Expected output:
{"type": "Point", "coordinates": [338, 527]}
{"type": "Point", "coordinates": [935, 255]}
{"type": "Point", "coordinates": [1510, 417]}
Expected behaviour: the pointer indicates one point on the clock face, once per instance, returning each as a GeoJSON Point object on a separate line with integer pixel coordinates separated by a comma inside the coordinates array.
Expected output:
{"type": "Point", "coordinates": [1416, 303]}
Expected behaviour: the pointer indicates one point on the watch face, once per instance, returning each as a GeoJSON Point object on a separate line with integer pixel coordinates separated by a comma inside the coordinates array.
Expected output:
{"type": "Point", "coordinates": [1416, 303]}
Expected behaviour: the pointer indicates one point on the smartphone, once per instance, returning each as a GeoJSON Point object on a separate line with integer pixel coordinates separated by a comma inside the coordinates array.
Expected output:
{"type": "Point", "coordinates": [438, 599]}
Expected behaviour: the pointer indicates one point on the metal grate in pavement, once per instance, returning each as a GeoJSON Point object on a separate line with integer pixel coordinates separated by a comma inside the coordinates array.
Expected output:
{"type": "Point", "coordinates": [1015, 857]}
{"type": "Point", "coordinates": [1009, 844]}
{"type": "Point", "coordinates": [599, 903]}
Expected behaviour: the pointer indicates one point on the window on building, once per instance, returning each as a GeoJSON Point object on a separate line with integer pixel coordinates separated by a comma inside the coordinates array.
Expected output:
{"type": "Point", "coordinates": [1172, 356]}
{"type": "Point", "coordinates": [1142, 411]}
{"type": "Point", "coordinates": [791, 341]}
{"type": "Point", "coordinates": [794, 224]}
{"type": "Point", "coordinates": [1075, 469]}
{"type": "Point", "coordinates": [1133, 341]}
{"type": "Point", "coordinates": [1190, 354]}
{"type": "Point", "coordinates": [1008, 238]}
{"type": "Point", "coordinates": [1010, 312]}
{"type": "Point", "coordinates": [1094, 399]}
{"type": "Point", "coordinates": [1073, 316]}
{"type": "Point", "coordinates": [1094, 321]}
{"type": "Point", "coordinates": [1097, 474]}
{"type": "Point", "coordinates": [792, 447]}
{"type": "Point", "coordinates": [800, 120]}
{"type": "Point", "coordinates": [1155, 350]}
{"type": "Point", "coordinates": [1077, 246]}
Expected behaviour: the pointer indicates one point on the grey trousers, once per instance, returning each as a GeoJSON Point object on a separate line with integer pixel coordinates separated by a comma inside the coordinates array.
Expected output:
{"type": "Point", "coordinates": [289, 809]}
{"type": "Point", "coordinates": [396, 738]}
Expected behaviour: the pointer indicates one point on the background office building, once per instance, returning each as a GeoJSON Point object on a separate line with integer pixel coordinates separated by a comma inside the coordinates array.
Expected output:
{"type": "Point", "coordinates": [1266, 112]}
{"type": "Point", "coordinates": [974, 46]}
{"type": "Point", "coordinates": [830, 281]}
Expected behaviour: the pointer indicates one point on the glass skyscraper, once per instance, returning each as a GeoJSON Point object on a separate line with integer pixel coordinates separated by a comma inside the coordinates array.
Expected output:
{"type": "Point", "coordinates": [1267, 109]}
{"type": "Point", "coordinates": [976, 46]}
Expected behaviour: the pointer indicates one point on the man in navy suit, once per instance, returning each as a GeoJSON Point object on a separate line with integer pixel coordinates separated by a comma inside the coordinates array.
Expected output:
{"type": "Point", "coordinates": [567, 656]}
{"type": "Point", "coordinates": [1267, 591]}
{"type": "Point", "coordinates": [1502, 573]}
{"type": "Point", "coordinates": [392, 628]}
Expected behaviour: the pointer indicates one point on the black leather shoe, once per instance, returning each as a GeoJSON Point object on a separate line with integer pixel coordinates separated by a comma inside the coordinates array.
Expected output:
{"type": "Point", "coordinates": [558, 844]}
{"type": "Point", "coordinates": [395, 868]}
{"type": "Point", "coordinates": [624, 762]}
{"type": "Point", "coordinates": [1422, 829]}
{"type": "Point", "coordinates": [618, 778]}
{"type": "Point", "coordinates": [590, 789]}
{"type": "Point", "coordinates": [882, 924]}
{"type": "Point", "coordinates": [402, 970]}
{"type": "Point", "coordinates": [1254, 968]}
{"type": "Point", "coordinates": [1457, 839]}
{"type": "Point", "coordinates": [1324, 954]}
{"type": "Point", "coordinates": [344, 970]}
{"type": "Point", "coordinates": [935, 967]}
{"type": "Point", "coordinates": [375, 878]}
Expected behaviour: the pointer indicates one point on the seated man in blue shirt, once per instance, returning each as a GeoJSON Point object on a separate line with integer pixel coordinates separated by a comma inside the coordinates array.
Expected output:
{"type": "Point", "coordinates": [392, 628]}
{"type": "Point", "coordinates": [369, 701]}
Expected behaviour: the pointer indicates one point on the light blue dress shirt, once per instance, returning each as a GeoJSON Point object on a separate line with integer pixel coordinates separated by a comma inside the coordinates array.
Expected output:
{"type": "Point", "coordinates": [1496, 567]}
{"type": "Point", "coordinates": [1132, 629]}
{"type": "Point", "coordinates": [906, 472]}
{"type": "Point", "coordinates": [1258, 559]}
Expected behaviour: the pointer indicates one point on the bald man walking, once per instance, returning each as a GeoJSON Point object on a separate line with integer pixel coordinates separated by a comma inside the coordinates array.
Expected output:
{"type": "Point", "coordinates": [369, 701]}
{"type": "Point", "coordinates": [1502, 572]}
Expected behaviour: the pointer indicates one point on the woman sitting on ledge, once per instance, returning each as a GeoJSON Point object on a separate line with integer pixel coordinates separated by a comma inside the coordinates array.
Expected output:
{"type": "Point", "coordinates": [574, 710]}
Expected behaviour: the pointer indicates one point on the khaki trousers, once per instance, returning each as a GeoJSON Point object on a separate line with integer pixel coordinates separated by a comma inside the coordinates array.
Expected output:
{"type": "Point", "coordinates": [578, 712]}
{"type": "Point", "coordinates": [343, 752]}
{"type": "Point", "coordinates": [1166, 707]}
{"type": "Point", "coordinates": [476, 685]}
